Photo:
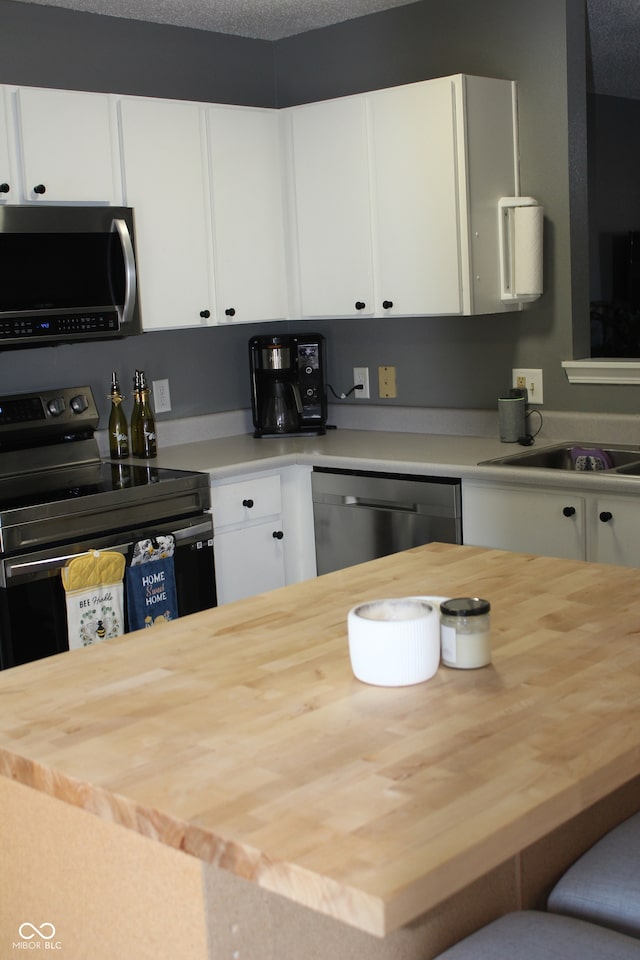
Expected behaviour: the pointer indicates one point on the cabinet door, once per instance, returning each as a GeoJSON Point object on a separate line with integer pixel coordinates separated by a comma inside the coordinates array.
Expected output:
{"type": "Point", "coordinates": [332, 206]}
{"type": "Point", "coordinates": [164, 160]}
{"type": "Point", "coordinates": [67, 146]}
{"type": "Point", "coordinates": [8, 185]}
{"type": "Point", "coordinates": [615, 531]}
{"type": "Point", "coordinates": [248, 214]}
{"type": "Point", "coordinates": [416, 199]}
{"type": "Point", "coordinates": [248, 561]}
{"type": "Point", "coordinates": [246, 500]}
{"type": "Point", "coordinates": [524, 519]}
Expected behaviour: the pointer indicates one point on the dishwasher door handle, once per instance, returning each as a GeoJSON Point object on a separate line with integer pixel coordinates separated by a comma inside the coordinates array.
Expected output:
{"type": "Point", "coordinates": [351, 501]}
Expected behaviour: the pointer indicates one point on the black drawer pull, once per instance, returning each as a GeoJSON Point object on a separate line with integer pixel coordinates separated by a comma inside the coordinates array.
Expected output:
{"type": "Point", "coordinates": [605, 516]}
{"type": "Point", "coordinates": [247, 503]}
{"type": "Point", "coordinates": [569, 511]}
{"type": "Point", "coordinates": [278, 534]}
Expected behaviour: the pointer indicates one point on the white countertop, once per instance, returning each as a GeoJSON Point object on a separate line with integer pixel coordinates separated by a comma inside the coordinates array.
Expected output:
{"type": "Point", "coordinates": [397, 452]}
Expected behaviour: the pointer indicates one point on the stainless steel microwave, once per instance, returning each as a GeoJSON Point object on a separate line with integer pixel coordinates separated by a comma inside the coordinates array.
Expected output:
{"type": "Point", "coordinates": [68, 274]}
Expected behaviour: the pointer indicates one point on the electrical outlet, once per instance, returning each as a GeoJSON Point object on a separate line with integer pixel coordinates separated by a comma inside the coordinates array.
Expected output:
{"type": "Point", "coordinates": [531, 380]}
{"type": "Point", "coordinates": [387, 382]}
{"type": "Point", "coordinates": [161, 396]}
{"type": "Point", "coordinates": [361, 376]}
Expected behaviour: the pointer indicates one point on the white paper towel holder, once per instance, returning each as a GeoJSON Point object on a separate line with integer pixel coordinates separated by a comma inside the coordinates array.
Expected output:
{"type": "Point", "coordinates": [520, 222]}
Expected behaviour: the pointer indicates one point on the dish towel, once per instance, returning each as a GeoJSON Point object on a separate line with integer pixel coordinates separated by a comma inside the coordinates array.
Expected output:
{"type": "Point", "coordinates": [94, 596]}
{"type": "Point", "coordinates": [151, 583]}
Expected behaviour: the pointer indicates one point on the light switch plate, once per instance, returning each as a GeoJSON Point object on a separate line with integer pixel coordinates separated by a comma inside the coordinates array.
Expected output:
{"type": "Point", "coordinates": [532, 381]}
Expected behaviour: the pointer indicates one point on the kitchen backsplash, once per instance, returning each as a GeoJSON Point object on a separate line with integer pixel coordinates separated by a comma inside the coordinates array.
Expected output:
{"type": "Point", "coordinates": [557, 425]}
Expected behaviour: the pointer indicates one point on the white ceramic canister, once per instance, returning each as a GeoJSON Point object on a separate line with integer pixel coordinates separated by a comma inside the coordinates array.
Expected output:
{"type": "Point", "coordinates": [465, 632]}
{"type": "Point", "coordinates": [395, 642]}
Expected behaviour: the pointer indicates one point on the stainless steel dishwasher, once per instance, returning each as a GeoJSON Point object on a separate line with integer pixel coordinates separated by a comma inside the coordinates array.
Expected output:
{"type": "Point", "coordinates": [359, 515]}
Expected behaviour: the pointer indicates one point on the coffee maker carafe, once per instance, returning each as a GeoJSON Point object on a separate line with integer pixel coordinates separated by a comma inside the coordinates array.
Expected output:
{"type": "Point", "coordinates": [288, 390]}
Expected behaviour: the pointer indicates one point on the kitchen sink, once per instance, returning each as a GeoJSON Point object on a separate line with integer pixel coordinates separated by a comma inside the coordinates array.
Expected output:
{"type": "Point", "coordinates": [621, 459]}
{"type": "Point", "coordinates": [630, 469]}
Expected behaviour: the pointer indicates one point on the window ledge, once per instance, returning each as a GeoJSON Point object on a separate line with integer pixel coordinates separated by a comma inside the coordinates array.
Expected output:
{"type": "Point", "coordinates": [602, 371]}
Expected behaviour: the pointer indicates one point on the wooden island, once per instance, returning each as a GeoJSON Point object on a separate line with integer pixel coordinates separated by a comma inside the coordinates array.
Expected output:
{"type": "Point", "coordinates": [223, 788]}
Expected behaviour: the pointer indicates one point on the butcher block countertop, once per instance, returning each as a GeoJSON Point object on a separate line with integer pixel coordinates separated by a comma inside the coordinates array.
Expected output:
{"type": "Point", "coordinates": [240, 735]}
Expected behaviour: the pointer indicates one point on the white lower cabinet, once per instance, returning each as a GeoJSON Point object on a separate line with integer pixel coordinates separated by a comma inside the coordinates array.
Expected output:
{"type": "Point", "coordinates": [614, 534]}
{"type": "Point", "coordinates": [524, 519]}
{"type": "Point", "coordinates": [550, 522]}
{"type": "Point", "coordinates": [263, 532]}
{"type": "Point", "coordinates": [248, 561]}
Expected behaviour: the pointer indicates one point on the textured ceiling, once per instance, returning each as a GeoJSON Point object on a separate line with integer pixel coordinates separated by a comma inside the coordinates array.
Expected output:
{"type": "Point", "coordinates": [260, 19]}
{"type": "Point", "coordinates": [614, 25]}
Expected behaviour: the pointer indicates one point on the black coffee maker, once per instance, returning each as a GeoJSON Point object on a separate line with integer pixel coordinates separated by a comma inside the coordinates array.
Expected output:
{"type": "Point", "coordinates": [288, 388]}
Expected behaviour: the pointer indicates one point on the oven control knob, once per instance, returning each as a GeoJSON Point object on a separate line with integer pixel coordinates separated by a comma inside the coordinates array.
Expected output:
{"type": "Point", "coordinates": [79, 403]}
{"type": "Point", "coordinates": [56, 406]}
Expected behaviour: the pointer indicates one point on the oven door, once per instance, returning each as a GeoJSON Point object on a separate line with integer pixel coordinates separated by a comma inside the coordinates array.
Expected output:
{"type": "Point", "coordinates": [33, 616]}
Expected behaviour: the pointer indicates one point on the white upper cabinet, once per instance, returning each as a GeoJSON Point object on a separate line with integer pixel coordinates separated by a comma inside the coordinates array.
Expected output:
{"type": "Point", "coordinates": [332, 252]}
{"type": "Point", "coordinates": [166, 182]}
{"type": "Point", "coordinates": [417, 234]}
{"type": "Point", "coordinates": [396, 198]}
{"type": "Point", "coordinates": [8, 184]}
{"type": "Point", "coordinates": [248, 214]}
{"type": "Point", "coordinates": [381, 204]}
{"type": "Point", "coordinates": [67, 141]}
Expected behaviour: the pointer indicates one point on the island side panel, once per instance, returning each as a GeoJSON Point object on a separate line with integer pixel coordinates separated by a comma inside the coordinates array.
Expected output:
{"type": "Point", "coordinates": [108, 891]}
{"type": "Point", "coordinates": [544, 862]}
{"type": "Point", "coordinates": [245, 920]}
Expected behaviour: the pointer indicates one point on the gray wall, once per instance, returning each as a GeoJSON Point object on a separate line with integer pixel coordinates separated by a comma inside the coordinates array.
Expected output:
{"type": "Point", "coordinates": [452, 362]}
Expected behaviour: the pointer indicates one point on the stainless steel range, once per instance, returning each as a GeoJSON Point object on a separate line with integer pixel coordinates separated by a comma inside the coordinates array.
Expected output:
{"type": "Point", "coordinates": [58, 500]}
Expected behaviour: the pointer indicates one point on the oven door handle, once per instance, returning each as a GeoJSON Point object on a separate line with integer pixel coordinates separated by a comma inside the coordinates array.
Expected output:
{"type": "Point", "coordinates": [121, 228]}
{"type": "Point", "coordinates": [14, 568]}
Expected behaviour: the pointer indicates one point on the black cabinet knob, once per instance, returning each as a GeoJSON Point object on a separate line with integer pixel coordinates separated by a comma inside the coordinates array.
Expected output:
{"type": "Point", "coordinates": [230, 312]}
{"type": "Point", "coordinates": [605, 516]}
{"type": "Point", "coordinates": [205, 314]}
{"type": "Point", "coordinates": [247, 503]}
{"type": "Point", "coordinates": [360, 305]}
{"type": "Point", "coordinates": [40, 188]}
{"type": "Point", "coordinates": [569, 511]}
{"type": "Point", "coordinates": [278, 534]}
{"type": "Point", "coordinates": [387, 304]}
{"type": "Point", "coordinates": [4, 188]}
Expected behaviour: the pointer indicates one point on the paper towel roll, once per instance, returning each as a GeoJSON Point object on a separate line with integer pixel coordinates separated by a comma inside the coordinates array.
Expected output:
{"type": "Point", "coordinates": [394, 643]}
{"type": "Point", "coordinates": [527, 252]}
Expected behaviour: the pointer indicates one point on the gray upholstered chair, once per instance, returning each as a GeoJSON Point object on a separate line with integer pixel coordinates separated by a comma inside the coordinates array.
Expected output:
{"type": "Point", "coordinates": [604, 884]}
{"type": "Point", "coordinates": [532, 935]}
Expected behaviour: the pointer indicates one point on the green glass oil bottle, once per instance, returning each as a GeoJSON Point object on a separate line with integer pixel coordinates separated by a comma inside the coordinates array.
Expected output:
{"type": "Point", "coordinates": [136, 435]}
{"type": "Point", "coordinates": [118, 429]}
{"type": "Point", "coordinates": [148, 445]}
